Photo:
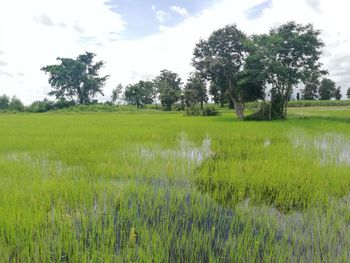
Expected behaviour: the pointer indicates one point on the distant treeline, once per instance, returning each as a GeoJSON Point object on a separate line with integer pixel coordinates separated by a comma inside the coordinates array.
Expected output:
{"type": "Point", "coordinates": [305, 103]}
{"type": "Point", "coordinates": [230, 67]}
{"type": "Point", "coordinates": [14, 104]}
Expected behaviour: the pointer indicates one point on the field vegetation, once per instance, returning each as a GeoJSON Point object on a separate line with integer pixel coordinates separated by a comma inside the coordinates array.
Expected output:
{"type": "Point", "coordinates": [113, 187]}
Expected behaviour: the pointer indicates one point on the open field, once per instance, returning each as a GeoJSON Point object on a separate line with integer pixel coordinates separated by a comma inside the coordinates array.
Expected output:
{"type": "Point", "coordinates": [161, 187]}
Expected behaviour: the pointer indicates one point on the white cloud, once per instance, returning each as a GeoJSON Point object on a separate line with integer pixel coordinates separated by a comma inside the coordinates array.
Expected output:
{"type": "Point", "coordinates": [180, 10]}
{"type": "Point", "coordinates": [44, 19]}
{"type": "Point", "coordinates": [162, 16]}
{"type": "Point", "coordinates": [27, 45]}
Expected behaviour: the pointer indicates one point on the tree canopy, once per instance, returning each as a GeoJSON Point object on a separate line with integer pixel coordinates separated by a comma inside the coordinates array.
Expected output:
{"type": "Point", "coordinates": [116, 92]}
{"type": "Point", "coordinates": [195, 91]}
{"type": "Point", "coordinates": [337, 94]}
{"type": "Point", "coordinates": [220, 59]}
{"type": "Point", "coordinates": [4, 102]}
{"type": "Point", "coordinates": [327, 89]}
{"type": "Point", "coordinates": [76, 79]}
{"type": "Point", "coordinates": [168, 85]}
{"type": "Point", "coordinates": [291, 54]}
{"type": "Point", "coordinates": [139, 94]}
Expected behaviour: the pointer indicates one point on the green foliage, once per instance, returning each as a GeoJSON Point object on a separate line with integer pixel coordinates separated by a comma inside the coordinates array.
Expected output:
{"type": "Point", "coordinates": [252, 80]}
{"type": "Point", "coordinates": [265, 112]}
{"type": "Point", "coordinates": [193, 110]}
{"type": "Point", "coordinates": [327, 89]}
{"type": "Point", "coordinates": [76, 78]}
{"type": "Point", "coordinates": [168, 85]}
{"type": "Point", "coordinates": [41, 106]}
{"type": "Point", "coordinates": [4, 102]}
{"type": "Point", "coordinates": [140, 94]}
{"type": "Point", "coordinates": [292, 53]}
{"type": "Point", "coordinates": [208, 110]}
{"type": "Point", "coordinates": [312, 83]}
{"type": "Point", "coordinates": [116, 93]}
{"type": "Point", "coordinates": [337, 93]}
{"type": "Point", "coordinates": [348, 93]}
{"type": "Point", "coordinates": [195, 91]}
{"type": "Point", "coordinates": [16, 104]}
{"type": "Point", "coordinates": [304, 103]}
{"type": "Point", "coordinates": [220, 59]}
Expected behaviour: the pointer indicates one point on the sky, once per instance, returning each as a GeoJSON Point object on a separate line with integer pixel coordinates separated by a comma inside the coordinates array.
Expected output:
{"type": "Point", "coordinates": [138, 38]}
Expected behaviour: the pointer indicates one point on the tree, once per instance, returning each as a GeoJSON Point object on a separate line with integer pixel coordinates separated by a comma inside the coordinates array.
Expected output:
{"type": "Point", "coordinates": [348, 93]}
{"type": "Point", "coordinates": [168, 85]}
{"type": "Point", "coordinates": [337, 93]}
{"type": "Point", "coordinates": [252, 79]}
{"type": "Point", "coordinates": [220, 58]}
{"type": "Point", "coordinates": [327, 89]}
{"type": "Point", "coordinates": [76, 78]}
{"type": "Point", "coordinates": [292, 52]}
{"type": "Point", "coordinates": [116, 93]}
{"type": "Point", "coordinates": [312, 83]}
{"type": "Point", "coordinates": [4, 102]}
{"type": "Point", "coordinates": [16, 104]}
{"type": "Point", "coordinates": [139, 94]}
{"type": "Point", "coordinates": [195, 91]}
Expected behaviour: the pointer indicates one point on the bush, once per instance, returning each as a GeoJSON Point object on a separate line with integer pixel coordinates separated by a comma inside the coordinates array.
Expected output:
{"type": "Point", "coordinates": [62, 104]}
{"type": "Point", "coordinates": [193, 111]}
{"type": "Point", "coordinates": [265, 112]}
{"type": "Point", "coordinates": [41, 106]}
{"type": "Point", "coordinates": [208, 110]}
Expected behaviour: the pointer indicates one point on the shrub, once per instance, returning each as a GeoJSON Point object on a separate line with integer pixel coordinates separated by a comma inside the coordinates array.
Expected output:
{"type": "Point", "coordinates": [265, 112]}
{"type": "Point", "coordinates": [208, 110]}
{"type": "Point", "coordinates": [193, 111]}
{"type": "Point", "coordinates": [41, 106]}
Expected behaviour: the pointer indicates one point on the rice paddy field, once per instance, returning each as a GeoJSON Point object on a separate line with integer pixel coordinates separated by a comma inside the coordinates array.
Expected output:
{"type": "Point", "coordinates": [162, 187]}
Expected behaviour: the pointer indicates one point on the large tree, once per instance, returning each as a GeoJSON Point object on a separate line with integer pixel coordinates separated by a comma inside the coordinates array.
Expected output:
{"type": "Point", "coordinates": [312, 83]}
{"type": "Point", "coordinates": [337, 94]}
{"type": "Point", "coordinates": [116, 92]}
{"type": "Point", "coordinates": [76, 79]}
{"type": "Point", "coordinates": [139, 94]}
{"type": "Point", "coordinates": [327, 89]}
{"type": "Point", "coordinates": [195, 91]}
{"type": "Point", "coordinates": [348, 93]}
{"type": "Point", "coordinates": [4, 102]}
{"type": "Point", "coordinates": [16, 104]}
{"type": "Point", "coordinates": [252, 79]}
{"type": "Point", "coordinates": [168, 85]}
{"type": "Point", "coordinates": [220, 59]}
{"type": "Point", "coordinates": [292, 52]}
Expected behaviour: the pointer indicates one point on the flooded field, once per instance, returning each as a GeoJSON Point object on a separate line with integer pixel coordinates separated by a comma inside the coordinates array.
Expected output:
{"type": "Point", "coordinates": [118, 187]}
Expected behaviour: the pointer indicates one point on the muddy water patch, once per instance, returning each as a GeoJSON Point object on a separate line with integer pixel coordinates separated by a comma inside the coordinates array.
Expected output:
{"type": "Point", "coordinates": [41, 162]}
{"type": "Point", "coordinates": [184, 159]}
{"type": "Point", "coordinates": [329, 148]}
{"type": "Point", "coordinates": [186, 151]}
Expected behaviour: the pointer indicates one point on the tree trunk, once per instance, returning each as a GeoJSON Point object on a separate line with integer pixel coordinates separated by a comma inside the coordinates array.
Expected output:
{"type": "Point", "coordinates": [239, 108]}
{"type": "Point", "coordinates": [201, 105]}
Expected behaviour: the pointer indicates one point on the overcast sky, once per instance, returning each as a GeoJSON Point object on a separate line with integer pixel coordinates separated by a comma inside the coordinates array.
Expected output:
{"type": "Point", "coordinates": [138, 38]}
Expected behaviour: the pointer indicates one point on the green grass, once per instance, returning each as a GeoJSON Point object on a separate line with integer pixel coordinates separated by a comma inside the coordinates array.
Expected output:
{"type": "Point", "coordinates": [114, 187]}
